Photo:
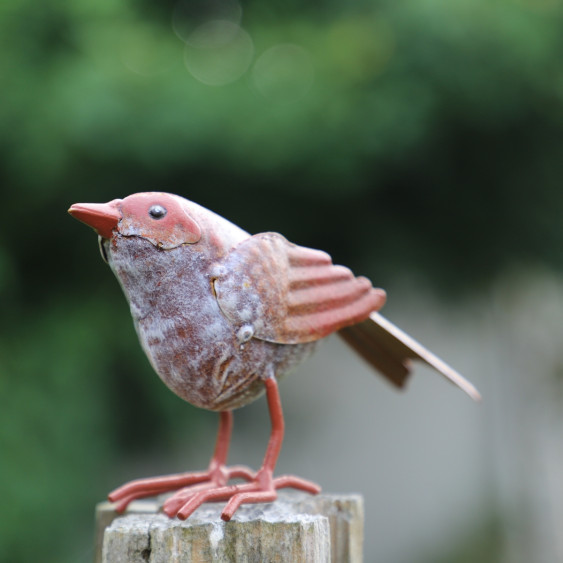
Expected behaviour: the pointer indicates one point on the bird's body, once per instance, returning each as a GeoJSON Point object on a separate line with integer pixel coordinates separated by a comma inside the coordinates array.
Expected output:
{"type": "Point", "coordinates": [222, 315]}
{"type": "Point", "coordinates": [193, 347]}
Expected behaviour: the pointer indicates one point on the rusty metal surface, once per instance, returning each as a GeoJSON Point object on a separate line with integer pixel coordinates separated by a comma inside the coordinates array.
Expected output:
{"type": "Point", "coordinates": [289, 294]}
{"type": "Point", "coordinates": [222, 315]}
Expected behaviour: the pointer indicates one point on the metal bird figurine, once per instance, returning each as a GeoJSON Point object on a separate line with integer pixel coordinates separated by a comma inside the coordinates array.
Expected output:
{"type": "Point", "coordinates": [222, 315]}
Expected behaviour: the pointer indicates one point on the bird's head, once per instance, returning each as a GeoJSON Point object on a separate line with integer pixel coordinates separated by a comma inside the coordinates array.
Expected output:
{"type": "Point", "coordinates": [162, 219]}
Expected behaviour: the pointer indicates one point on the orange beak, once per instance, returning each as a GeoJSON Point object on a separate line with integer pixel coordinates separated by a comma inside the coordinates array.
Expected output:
{"type": "Point", "coordinates": [102, 217]}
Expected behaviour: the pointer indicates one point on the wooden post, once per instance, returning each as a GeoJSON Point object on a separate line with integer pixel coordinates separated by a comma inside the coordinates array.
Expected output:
{"type": "Point", "coordinates": [297, 527]}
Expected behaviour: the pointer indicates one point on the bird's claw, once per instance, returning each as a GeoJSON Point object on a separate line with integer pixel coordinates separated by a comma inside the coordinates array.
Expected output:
{"type": "Point", "coordinates": [263, 488]}
{"type": "Point", "coordinates": [216, 476]}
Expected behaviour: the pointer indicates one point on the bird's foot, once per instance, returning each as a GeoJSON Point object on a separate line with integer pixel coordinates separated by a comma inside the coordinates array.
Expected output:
{"type": "Point", "coordinates": [217, 476]}
{"type": "Point", "coordinates": [262, 488]}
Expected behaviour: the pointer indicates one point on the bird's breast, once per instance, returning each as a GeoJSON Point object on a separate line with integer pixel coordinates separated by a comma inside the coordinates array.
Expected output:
{"type": "Point", "coordinates": [190, 343]}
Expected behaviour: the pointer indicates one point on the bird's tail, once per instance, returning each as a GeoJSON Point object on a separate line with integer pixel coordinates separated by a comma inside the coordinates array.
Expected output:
{"type": "Point", "coordinates": [390, 350]}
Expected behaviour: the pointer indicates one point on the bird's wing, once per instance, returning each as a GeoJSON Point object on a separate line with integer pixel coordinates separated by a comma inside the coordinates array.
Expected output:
{"type": "Point", "coordinates": [280, 292]}
{"type": "Point", "coordinates": [390, 350]}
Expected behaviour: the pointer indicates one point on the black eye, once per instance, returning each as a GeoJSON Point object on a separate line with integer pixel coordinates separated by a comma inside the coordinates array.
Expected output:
{"type": "Point", "coordinates": [157, 211]}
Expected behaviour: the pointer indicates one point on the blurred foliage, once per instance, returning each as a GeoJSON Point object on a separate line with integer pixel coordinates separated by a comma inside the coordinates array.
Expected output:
{"type": "Point", "coordinates": [417, 138]}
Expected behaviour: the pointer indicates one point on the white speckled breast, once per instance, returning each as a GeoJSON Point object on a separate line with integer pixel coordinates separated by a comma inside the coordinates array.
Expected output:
{"type": "Point", "coordinates": [193, 347]}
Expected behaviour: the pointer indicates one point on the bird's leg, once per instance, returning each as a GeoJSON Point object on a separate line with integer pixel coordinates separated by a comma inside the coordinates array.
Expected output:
{"type": "Point", "coordinates": [265, 486]}
{"type": "Point", "coordinates": [262, 488]}
{"type": "Point", "coordinates": [217, 474]}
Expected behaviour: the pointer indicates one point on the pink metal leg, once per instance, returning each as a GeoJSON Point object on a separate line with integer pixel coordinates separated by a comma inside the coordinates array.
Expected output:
{"type": "Point", "coordinates": [261, 489]}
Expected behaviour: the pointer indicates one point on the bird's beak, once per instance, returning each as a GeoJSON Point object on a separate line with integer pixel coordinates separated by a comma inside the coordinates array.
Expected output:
{"type": "Point", "coordinates": [102, 217]}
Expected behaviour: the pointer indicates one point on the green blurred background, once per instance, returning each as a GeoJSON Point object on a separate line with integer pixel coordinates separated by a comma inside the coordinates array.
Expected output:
{"type": "Point", "coordinates": [415, 140]}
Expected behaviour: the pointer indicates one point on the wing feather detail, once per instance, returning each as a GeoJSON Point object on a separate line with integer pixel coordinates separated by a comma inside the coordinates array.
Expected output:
{"type": "Point", "coordinates": [300, 256]}
{"type": "Point", "coordinates": [317, 298]}
{"type": "Point", "coordinates": [305, 276]}
{"type": "Point", "coordinates": [290, 294]}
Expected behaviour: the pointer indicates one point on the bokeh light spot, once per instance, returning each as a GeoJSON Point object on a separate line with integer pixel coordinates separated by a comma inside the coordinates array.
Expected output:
{"type": "Point", "coordinates": [218, 52]}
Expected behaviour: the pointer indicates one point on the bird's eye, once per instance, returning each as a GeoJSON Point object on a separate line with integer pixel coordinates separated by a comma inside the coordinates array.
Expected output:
{"type": "Point", "coordinates": [157, 211]}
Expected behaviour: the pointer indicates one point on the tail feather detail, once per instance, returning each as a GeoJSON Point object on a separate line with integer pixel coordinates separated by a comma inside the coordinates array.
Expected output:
{"type": "Point", "coordinates": [390, 350]}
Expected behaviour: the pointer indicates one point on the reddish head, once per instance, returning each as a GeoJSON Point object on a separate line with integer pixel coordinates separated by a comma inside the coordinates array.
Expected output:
{"type": "Point", "coordinates": [161, 218]}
